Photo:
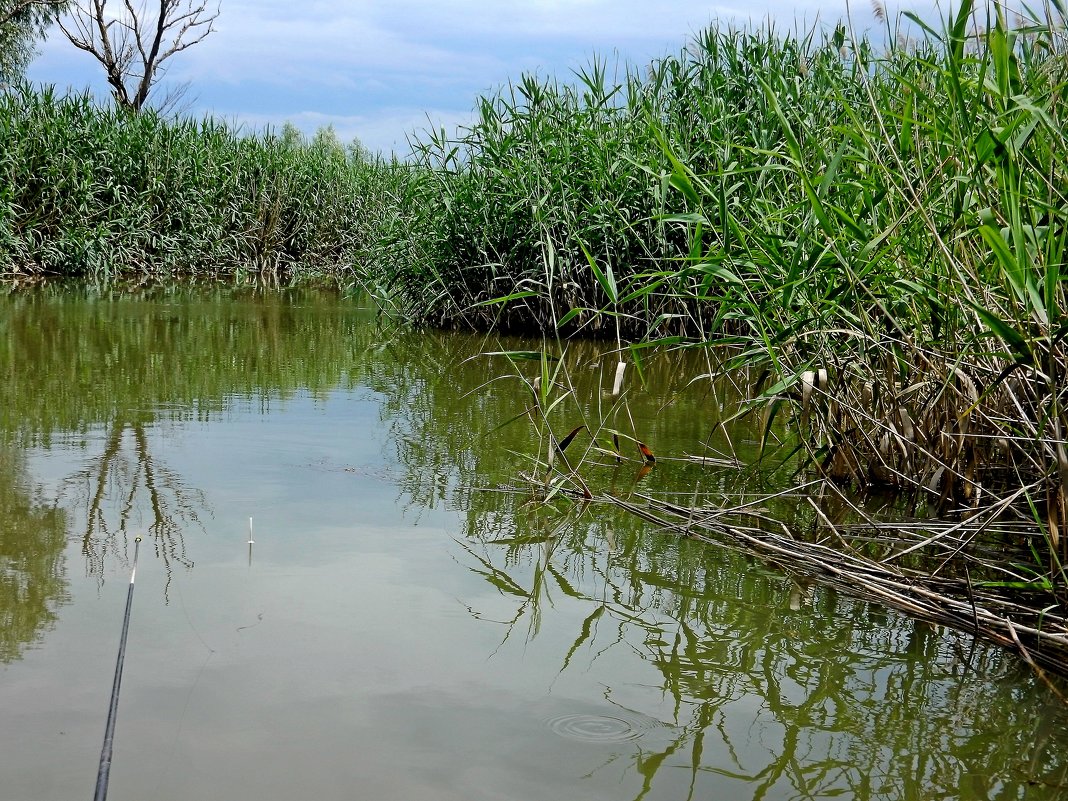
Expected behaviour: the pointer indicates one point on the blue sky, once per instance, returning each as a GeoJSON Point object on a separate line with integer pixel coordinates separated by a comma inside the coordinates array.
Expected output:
{"type": "Point", "coordinates": [381, 70]}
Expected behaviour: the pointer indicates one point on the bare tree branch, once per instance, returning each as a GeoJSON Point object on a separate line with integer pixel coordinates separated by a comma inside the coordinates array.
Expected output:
{"type": "Point", "coordinates": [132, 40]}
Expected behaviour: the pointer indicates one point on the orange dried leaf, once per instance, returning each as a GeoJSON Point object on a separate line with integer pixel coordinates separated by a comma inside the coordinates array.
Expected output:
{"type": "Point", "coordinates": [646, 453]}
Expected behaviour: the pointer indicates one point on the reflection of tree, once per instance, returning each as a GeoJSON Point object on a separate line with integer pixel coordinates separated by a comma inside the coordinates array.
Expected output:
{"type": "Point", "coordinates": [879, 706]}
{"type": "Point", "coordinates": [79, 360]}
{"type": "Point", "coordinates": [32, 537]}
{"type": "Point", "coordinates": [126, 487]}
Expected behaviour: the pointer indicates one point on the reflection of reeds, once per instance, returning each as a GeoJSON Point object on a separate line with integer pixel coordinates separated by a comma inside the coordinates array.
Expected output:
{"type": "Point", "coordinates": [555, 394]}
{"type": "Point", "coordinates": [33, 534]}
{"type": "Point", "coordinates": [725, 637]}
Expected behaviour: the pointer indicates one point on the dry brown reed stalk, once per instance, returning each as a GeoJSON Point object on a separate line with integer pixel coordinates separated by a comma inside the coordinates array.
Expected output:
{"type": "Point", "coordinates": [959, 435]}
{"type": "Point", "coordinates": [1038, 633]}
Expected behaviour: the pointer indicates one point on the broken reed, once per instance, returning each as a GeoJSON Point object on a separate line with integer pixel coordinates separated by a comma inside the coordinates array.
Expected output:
{"type": "Point", "coordinates": [879, 229]}
{"type": "Point", "coordinates": [103, 193]}
{"type": "Point", "coordinates": [987, 602]}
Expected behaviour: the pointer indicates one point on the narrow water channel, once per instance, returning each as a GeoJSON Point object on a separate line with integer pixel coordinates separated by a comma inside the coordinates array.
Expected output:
{"type": "Point", "coordinates": [412, 621]}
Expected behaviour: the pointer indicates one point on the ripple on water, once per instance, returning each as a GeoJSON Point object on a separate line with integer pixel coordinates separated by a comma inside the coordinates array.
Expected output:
{"type": "Point", "coordinates": [593, 728]}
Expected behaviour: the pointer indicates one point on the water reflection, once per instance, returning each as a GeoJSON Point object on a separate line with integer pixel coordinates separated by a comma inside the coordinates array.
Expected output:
{"type": "Point", "coordinates": [126, 491]}
{"type": "Point", "coordinates": [458, 420]}
{"type": "Point", "coordinates": [32, 538]}
{"type": "Point", "coordinates": [712, 674]}
{"type": "Point", "coordinates": [758, 698]}
{"type": "Point", "coordinates": [116, 374]}
{"type": "Point", "coordinates": [79, 357]}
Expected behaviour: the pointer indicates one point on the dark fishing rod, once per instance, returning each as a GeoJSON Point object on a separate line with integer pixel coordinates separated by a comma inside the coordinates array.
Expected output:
{"type": "Point", "coordinates": [109, 731]}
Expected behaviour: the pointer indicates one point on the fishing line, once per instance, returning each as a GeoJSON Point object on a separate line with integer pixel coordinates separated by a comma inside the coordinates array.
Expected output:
{"type": "Point", "coordinates": [109, 731]}
{"type": "Point", "coordinates": [169, 761]}
{"type": "Point", "coordinates": [169, 764]}
{"type": "Point", "coordinates": [181, 722]}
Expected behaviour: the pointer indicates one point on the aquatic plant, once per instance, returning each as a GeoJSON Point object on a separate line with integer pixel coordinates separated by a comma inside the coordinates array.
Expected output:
{"type": "Point", "coordinates": [880, 230]}
{"type": "Point", "coordinates": [904, 291]}
{"type": "Point", "coordinates": [103, 193]}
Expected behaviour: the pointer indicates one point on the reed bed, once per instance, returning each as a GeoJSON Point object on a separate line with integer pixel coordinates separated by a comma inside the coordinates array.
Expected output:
{"type": "Point", "coordinates": [565, 206]}
{"type": "Point", "coordinates": [906, 299]}
{"type": "Point", "coordinates": [877, 231]}
{"type": "Point", "coordinates": [103, 193]}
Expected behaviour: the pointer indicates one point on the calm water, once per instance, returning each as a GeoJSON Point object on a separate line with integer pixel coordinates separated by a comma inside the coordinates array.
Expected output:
{"type": "Point", "coordinates": [401, 628]}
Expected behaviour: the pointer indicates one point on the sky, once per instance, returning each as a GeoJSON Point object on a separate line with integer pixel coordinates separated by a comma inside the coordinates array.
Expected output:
{"type": "Point", "coordinates": [381, 71]}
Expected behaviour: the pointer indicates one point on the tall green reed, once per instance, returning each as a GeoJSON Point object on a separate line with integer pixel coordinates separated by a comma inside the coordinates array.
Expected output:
{"type": "Point", "coordinates": [103, 193]}
{"type": "Point", "coordinates": [899, 277]}
{"type": "Point", "coordinates": [877, 228]}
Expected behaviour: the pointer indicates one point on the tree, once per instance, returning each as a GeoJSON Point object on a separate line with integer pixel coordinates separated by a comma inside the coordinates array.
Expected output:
{"type": "Point", "coordinates": [326, 141]}
{"type": "Point", "coordinates": [22, 22]}
{"type": "Point", "coordinates": [132, 41]}
{"type": "Point", "coordinates": [291, 136]}
{"type": "Point", "coordinates": [358, 152]}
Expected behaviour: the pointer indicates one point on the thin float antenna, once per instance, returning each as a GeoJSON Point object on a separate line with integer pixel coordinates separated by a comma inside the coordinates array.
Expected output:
{"type": "Point", "coordinates": [109, 731]}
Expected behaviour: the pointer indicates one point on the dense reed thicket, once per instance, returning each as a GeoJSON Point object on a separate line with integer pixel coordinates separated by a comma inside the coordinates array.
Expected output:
{"type": "Point", "coordinates": [879, 230]}
{"type": "Point", "coordinates": [103, 193]}
{"type": "Point", "coordinates": [560, 199]}
{"type": "Point", "coordinates": [899, 274]}
{"type": "Point", "coordinates": [639, 198]}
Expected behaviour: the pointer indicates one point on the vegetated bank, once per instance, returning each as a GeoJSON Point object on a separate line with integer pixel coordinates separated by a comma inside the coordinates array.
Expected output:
{"type": "Point", "coordinates": [105, 194]}
{"type": "Point", "coordinates": [879, 231]}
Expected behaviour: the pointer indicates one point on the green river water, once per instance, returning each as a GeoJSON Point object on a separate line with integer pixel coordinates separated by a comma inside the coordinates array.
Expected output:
{"type": "Point", "coordinates": [412, 622]}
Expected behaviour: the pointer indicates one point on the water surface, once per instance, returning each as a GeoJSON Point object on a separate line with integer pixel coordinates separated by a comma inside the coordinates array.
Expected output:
{"type": "Point", "coordinates": [412, 621]}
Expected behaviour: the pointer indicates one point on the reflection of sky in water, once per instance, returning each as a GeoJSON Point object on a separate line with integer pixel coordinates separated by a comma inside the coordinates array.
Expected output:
{"type": "Point", "coordinates": [365, 653]}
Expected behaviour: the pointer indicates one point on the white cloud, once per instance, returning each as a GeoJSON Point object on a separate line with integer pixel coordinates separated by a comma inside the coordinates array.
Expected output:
{"type": "Point", "coordinates": [370, 68]}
